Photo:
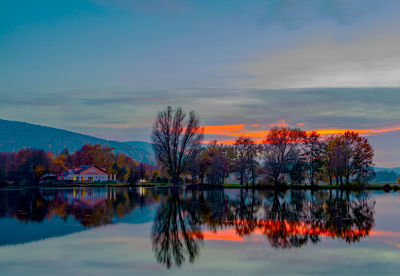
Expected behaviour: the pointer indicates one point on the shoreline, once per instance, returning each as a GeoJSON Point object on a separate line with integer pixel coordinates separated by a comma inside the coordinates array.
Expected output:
{"type": "Point", "coordinates": [373, 186]}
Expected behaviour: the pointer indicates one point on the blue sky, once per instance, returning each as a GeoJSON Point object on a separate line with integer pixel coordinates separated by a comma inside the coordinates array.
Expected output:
{"type": "Point", "coordinates": [105, 67]}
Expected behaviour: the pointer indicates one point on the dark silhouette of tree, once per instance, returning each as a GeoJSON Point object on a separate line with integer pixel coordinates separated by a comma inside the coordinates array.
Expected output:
{"type": "Point", "coordinates": [246, 153]}
{"type": "Point", "coordinates": [176, 140]}
{"type": "Point", "coordinates": [313, 153]}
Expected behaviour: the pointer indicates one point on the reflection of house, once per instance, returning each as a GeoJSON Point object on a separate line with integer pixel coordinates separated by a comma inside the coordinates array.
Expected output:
{"type": "Point", "coordinates": [88, 173]}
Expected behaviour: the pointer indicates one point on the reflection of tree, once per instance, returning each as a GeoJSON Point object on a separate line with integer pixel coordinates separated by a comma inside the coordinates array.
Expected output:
{"type": "Point", "coordinates": [278, 230]}
{"type": "Point", "coordinates": [242, 212]}
{"type": "Point", "coordinates": [90, 211]}
{"type": "Point", "coordinates": [350, 219]}
{"type": "Point", "coordinates": [294, 221]}
{"type": "Point", "coordinates": [176, 231]}
{"type": "Point", "coordinates": [287, 220]}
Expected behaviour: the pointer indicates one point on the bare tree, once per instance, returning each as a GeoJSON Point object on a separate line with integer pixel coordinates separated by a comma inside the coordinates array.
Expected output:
{"type": "Point", "coordinates": [176, 140]}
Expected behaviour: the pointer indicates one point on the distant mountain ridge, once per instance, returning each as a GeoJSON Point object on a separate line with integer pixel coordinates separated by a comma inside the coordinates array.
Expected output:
{"type": "Point", "coordinates": [15, 135]}
{"type": "Point", "coordinates": [380, 169]}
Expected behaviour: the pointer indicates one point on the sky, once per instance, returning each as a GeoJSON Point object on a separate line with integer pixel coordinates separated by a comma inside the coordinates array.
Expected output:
{"type": "Point", "coordinates": [105, 68]}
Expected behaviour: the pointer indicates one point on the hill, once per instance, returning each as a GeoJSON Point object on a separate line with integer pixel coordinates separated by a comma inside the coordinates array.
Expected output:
{"type": "Point", "coordinates": [15, 135]}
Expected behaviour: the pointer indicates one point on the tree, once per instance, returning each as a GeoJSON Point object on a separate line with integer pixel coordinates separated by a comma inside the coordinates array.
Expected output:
{"type": "Point", "coordinates": [350, 156]}
{"type": "Point", "coordinates": [219, 163]}
{"type": "Point", "coordinates": [313, 152]}
{"type": "Point", "coordinates": [124, 166]}
{"type": "Point", "coordinates": [281, 147]}
{"type": "Point", "coordinates": [176, 141]}
{"type": "Point", "coordinates": [58, 164]}
{"type": "Point", "coordinates": [97, 155]}
{"type": "Point", "coordinates": [245, 158]}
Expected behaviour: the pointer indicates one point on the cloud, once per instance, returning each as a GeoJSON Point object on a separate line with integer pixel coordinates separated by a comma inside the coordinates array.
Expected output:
{"type": "Point", "coordinates": [321, 62]}
{"type": "Point", "coordinates": [148, 6]}
{"type": "Point", "coordinates": [128, 115]}
{"type": "Point", "coordinates": [296, 14]}
{"type": "Point", "coordinates": [280, 123]}
{"type": "Point", "coordinates": [226, 132]}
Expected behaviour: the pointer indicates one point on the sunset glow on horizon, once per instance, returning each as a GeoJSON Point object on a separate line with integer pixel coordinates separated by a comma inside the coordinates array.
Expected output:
{"type": "Point", "coordinates": [250, 130]}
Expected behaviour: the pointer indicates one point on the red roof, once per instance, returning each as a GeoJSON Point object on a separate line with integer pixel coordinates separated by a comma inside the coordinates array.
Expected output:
{"type": "Point", "coordinates": [79, 169]}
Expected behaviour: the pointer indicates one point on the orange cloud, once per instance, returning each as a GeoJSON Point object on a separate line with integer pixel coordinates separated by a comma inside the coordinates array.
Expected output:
{"type": "Point", "coordinates": [254, 131]}
{"type": "Point", "coordinates": [223, 130]}
{"type": "Point", "coordinates": [280, 123]}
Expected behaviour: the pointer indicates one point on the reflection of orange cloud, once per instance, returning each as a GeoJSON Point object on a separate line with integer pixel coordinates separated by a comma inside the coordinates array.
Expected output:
{"type": "Point", "coordinates": [385, 233]}
{"type": "Point", "coordinates": [301, 124]}
{"type": "Point", "coordinates": [271, 227]}
{"type": "Point", "coordinates": [259, 134]}
{"type": "Point", "coordinates": [223, 235]}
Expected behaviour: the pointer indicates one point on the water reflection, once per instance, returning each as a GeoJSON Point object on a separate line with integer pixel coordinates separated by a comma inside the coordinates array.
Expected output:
{"type": "Point", "coordinates": [56, 212]}
{"type": "Point", "coordinates": [287, 220]}
{"type": "Point", "coordinates": [176, 231]}
{"type": "Point", "coordinates": [182, 219]}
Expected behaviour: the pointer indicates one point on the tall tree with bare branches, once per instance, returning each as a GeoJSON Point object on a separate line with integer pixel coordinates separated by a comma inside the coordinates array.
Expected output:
{"type": "Point", "coordinates": [176, 140]}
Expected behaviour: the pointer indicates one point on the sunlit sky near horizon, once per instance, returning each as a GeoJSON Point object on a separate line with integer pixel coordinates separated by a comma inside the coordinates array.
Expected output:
{"type": "Point", "coordinates": [105, 68]}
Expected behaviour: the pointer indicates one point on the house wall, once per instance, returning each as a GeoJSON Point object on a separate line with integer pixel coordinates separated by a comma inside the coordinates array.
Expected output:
{"type": "Point", "coordinates": [87, 177]}
{"type": "Point", "coordinates": [91, 174]}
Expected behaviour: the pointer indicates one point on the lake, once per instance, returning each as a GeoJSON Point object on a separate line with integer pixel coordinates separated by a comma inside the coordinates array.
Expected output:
{"type": "Point", "coordinates": [144, 231]}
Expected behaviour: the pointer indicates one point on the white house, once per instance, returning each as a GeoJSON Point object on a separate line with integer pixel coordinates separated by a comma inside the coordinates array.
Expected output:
{"type": "Point", "coordinates": [87, 173]}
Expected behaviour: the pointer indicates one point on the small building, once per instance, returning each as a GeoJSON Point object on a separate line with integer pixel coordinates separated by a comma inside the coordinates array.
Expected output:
{"type": "Point", "coordinates": [87, 173]}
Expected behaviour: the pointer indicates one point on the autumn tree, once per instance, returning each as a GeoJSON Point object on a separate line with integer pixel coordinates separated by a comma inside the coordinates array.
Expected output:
{"type": "Point", "coordinates": [58, 164]}
{"type": "Point", "coordinates": [28, 165]}
{"type": "Point", "coordinates": [176, 140]}
{"type": "Point", "coordinates": [219, 162]}
{"type": "Point", "coordinates": [281, 147]}
{"type": "Point", "coordinates": [97, 155]}
{"type": "Point", "coordinates": [350, 157]}
{"type": "Point", "coordinates": [124, 166]}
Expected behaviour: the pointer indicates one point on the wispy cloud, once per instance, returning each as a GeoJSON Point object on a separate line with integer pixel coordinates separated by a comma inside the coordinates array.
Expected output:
{"type": "Point", "coordinates": [295, 14]}
{"type": "Point", "coordinates": [148, 6]}
{"type": "Point", "coordinates": [321, 62]}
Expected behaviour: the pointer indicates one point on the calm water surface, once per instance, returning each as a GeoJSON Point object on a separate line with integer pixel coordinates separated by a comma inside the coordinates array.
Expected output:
{"type": "Point", "coordinates": [118, 231]}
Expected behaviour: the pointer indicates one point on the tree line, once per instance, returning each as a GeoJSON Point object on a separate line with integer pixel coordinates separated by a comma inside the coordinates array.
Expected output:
{"type": "Point", "coordinates": [286, 155]}
{"type": "Point", "coordinates": [27, 166]}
